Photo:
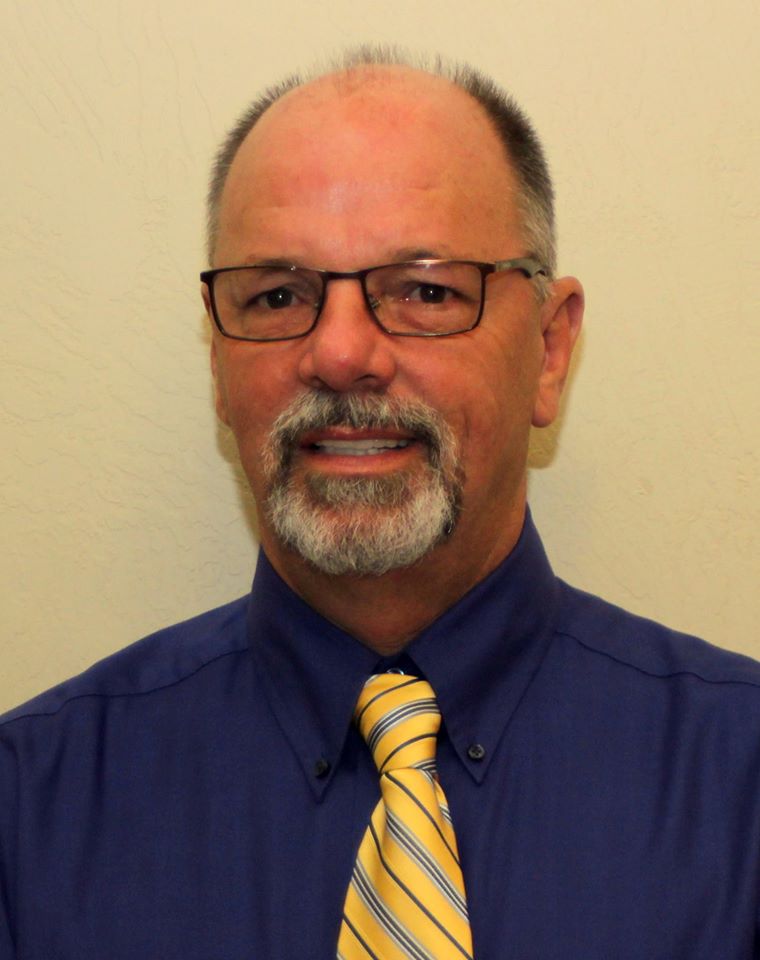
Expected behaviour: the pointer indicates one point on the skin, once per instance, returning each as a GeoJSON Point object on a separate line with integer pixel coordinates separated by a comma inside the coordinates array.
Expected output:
{"type": "Point", "coordinates": [371, 168]}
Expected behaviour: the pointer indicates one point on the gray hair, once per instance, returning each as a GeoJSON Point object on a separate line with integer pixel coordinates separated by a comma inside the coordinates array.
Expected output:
{"type": "Point", "coordinates": [521, 143]}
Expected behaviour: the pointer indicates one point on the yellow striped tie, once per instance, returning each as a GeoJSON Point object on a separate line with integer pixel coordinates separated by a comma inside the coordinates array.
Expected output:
{"type": "Point", "coordinates": [406, 898]}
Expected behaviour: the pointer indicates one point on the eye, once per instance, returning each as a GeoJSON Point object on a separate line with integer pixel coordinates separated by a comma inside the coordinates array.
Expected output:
{"type": "Point", "coordinates": [431, 293]}
{"type": "Point", "coordinates": [268, 294]}
{"type": "Point", "coordinates": [441, 285]}
{"type": "Point", "coordinates": [276, 299]}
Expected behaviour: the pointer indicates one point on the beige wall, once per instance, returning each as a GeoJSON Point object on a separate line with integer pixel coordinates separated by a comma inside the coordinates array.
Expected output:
{"type": "Point", "coordinates": [120, 509]}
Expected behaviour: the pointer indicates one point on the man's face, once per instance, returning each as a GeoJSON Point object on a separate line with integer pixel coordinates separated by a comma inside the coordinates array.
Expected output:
{"type": "Point", "coordinates": [402, 167]}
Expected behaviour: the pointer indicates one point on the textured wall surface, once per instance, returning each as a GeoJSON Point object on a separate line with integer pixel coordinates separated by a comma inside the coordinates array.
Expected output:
{"type": "Point", "coordinates": [121, 506]}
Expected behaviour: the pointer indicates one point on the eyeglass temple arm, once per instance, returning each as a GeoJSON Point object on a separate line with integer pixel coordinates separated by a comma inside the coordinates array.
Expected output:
{"type": "Point", "coordinates": [528, 265]}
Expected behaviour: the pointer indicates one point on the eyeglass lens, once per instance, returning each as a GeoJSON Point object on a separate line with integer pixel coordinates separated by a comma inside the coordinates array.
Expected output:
{"type": "Point", "coordinates": [423, 299]}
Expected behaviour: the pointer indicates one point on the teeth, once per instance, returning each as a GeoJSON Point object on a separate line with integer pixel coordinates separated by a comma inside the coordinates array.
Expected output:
{"type": "Point", "coordinates": [358, 448]}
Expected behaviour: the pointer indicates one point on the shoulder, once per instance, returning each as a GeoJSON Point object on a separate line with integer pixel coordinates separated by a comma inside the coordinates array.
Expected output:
{"type": "Point", "coordinates": [652, 649]}
{"type": "Point", "coordinates": [163, 659]}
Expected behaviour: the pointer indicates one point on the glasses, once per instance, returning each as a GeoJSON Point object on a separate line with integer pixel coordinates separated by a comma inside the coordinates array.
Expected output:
{"type": "Point", "coordinates": [419, 298]}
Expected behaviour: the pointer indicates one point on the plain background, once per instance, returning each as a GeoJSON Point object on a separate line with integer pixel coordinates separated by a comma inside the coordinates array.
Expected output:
{"type": "Point", "coordinates": [122, 510]}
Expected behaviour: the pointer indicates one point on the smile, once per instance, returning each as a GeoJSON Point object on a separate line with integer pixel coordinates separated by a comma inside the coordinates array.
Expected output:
{"type": "Point", "coordinates": [358, 448]}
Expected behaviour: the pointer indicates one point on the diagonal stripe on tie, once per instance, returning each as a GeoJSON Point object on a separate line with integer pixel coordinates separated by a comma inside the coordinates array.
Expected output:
{"type": "Point", "coordinates": [416, 819]}
{"type": "Point", "coordinates": [417, 897]}
{"type": "Point", "coordinates": [406, 899]}
{"type": "Point", "coordinates": [441, 829]}
{"type": "Point", "coordinates": [392, 926]}
{"type": "Point", "coordinates": [421, 856]}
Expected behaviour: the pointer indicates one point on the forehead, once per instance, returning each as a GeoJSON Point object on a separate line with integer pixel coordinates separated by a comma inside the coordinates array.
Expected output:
{"type": "Point", "coordinates": [366, 154]}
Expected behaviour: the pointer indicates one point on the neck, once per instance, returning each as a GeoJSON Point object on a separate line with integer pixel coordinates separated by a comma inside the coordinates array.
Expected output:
{"type": "Point", "coordinates": [385, 613]}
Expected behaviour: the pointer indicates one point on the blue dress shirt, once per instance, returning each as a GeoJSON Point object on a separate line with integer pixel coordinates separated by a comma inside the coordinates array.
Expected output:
{"type": "Point", "coordinates": [201, 794]}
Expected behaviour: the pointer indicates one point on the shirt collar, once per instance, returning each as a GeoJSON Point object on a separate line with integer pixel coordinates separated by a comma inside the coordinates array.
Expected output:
{"type": "Point", "coordinates": [479, 656]}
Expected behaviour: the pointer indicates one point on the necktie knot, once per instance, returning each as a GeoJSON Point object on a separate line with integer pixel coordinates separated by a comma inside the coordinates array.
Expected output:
{"type": "Point", "coordinates": [398, 716]}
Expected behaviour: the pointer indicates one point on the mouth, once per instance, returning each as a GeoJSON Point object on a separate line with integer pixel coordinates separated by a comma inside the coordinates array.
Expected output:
{"type": "Point", "coordinates": [357, 448]}
{"type": "Point", "coordinates": [354, 436]}
{"type": "Point", "coordinates": [347, 447]}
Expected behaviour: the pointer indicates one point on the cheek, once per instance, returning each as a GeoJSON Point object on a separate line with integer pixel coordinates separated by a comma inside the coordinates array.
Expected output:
{"type": "Point", "coordinates": [250, 394]}
{"type": "Point", "coordinates": [253, 381]}
{"type": "Point", "coordinates": [495, 408]}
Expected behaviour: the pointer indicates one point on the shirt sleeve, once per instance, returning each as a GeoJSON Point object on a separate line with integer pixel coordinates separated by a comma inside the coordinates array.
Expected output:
{"type": "Point", "coordinates": [8, 833]}
{"type": "Point", "coordinates": [7, 951]}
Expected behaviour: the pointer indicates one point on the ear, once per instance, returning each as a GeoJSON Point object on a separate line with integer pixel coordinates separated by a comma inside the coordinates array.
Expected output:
{"type": "Point", "coordinates": [219, 400]}
{"type": "Point", "coordinates": [561, 318]}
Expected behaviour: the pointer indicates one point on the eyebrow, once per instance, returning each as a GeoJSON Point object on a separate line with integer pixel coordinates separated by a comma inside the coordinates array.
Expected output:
{"type": "Point", "coordinates": [421, 253]}
{"type": "Point", "coordinates": [268, 262]}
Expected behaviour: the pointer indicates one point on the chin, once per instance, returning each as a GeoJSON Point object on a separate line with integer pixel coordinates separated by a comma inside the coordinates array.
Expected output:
{"type": "Point", "coordinates": [377, 525]}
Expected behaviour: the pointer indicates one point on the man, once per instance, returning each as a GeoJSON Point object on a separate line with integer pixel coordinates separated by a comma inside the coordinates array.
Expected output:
{"type": "Point", "coordinates": [387, 328]}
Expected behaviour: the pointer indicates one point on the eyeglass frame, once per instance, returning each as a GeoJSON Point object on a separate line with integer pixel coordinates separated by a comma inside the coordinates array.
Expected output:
{"type": "Point", "coordinates": [528, 266]}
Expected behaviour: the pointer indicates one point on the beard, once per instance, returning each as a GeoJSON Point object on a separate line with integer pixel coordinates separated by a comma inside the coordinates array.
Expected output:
{"type": "Point", "coordinates": [364, 526]}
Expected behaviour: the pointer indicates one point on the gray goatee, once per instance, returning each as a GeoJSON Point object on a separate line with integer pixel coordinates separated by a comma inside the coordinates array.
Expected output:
{"type": "Point", "coordinates": [362, 525]}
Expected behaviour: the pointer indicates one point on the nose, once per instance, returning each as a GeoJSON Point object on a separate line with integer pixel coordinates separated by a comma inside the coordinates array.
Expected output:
{"type": "Point", "coordinates": [347, 351]}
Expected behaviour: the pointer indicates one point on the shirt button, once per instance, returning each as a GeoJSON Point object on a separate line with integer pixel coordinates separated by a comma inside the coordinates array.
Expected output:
{"type": "Point", "coordinates": [321, 768]}
{"type": "Point", "coordinates": [476, 751]}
